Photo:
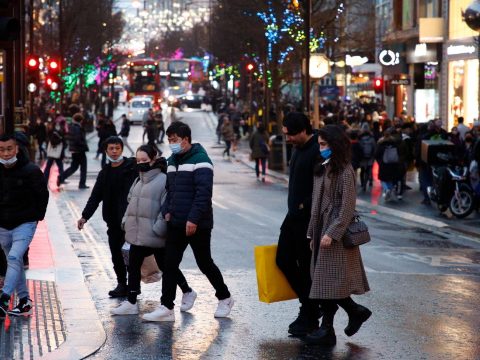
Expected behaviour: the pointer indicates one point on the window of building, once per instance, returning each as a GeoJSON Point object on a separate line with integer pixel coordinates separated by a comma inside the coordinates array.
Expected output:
{"type": "Point", "coordinates": [429, 8]}
{"type": "Point", "coordinates": [462, 91]}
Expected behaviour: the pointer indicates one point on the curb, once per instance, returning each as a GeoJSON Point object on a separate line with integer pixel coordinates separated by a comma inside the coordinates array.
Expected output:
{"type": "Point", "coordinates": [85, 333]}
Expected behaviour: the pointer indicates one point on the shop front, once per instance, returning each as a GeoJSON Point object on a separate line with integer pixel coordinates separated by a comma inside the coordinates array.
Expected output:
{"type": "Point", "coordinates": [463, 80]}
{"type": "Point", "coordinates": [424, 67]}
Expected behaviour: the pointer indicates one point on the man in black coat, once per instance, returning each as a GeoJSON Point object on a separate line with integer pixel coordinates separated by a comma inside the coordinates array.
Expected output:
{"type": "Point", "coordinates": [112, 187]}
{"type": "Point", "coordinates": [23, 202]}
{"type": "Point", "coordinates": [77, 143]}
{"type": "Point", "coordinates": [293, 252]}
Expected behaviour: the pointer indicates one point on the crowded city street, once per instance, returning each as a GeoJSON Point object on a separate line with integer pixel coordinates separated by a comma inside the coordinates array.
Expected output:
{"type": "Point", "coordinates": [239, 179]}
{"type": "Point", "coordinates": [424, 272]}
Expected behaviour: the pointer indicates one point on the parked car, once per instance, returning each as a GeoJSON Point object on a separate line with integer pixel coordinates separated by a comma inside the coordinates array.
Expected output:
{"type": "Point", "coordinates": [137, 107]}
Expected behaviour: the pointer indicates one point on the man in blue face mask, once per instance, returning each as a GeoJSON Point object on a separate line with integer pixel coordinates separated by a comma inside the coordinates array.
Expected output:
{"type": "Point", "coordinates": [293, 252]}
{"type": "Point", "coordinates": [188, 210]}
{"type": "Point", "coordinates": [111, 187]}
{"type": "Point", "coordinates": [23, 202]}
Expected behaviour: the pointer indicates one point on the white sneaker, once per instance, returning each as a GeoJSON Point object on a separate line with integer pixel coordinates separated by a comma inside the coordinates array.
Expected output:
{"type": "Point", "coordinates": [188, 299]}
{"type": "Point", "coordinates": [125, 308]}
{"type": "Point", "coordinates": [224, 307]}
{"type": "Point", "coordinates": [162, 313]}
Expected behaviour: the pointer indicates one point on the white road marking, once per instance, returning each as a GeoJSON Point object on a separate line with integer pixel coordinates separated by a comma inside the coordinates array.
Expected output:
{"type": "Point", "coordinates": [219, 205]}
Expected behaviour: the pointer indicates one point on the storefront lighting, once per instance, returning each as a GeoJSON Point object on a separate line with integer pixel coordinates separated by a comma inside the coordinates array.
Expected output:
{"type": "Point", "coordinates": [421, 50]}
{"type": "Point", "coordinates": [460, 49]}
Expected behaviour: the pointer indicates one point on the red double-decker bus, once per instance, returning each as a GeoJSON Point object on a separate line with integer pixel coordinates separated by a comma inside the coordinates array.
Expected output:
{"type": "Point", "coordinates": [186, 69]}
{"type": "Point", "coordinates": [144, 79]}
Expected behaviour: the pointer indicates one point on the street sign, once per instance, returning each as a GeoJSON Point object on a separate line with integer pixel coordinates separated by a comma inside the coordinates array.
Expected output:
{"type": "Point", "coordinates": [400, 82]}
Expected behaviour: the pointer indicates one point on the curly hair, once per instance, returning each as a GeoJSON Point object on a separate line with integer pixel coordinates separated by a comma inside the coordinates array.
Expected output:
{"type": "Point", "coordinates": [339, 143]}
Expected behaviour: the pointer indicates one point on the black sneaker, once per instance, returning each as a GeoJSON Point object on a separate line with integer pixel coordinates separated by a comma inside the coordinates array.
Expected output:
{"type": "Point", "coordinates": [24, 308]}
{"type": "Point", "coordinates": [4, 302]}
{"type": "Point", "coordinates": [120, 291]}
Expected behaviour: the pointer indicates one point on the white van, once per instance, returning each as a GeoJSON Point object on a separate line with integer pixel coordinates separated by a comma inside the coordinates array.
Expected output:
{"type": "Point", "coordinates": [137, 107]}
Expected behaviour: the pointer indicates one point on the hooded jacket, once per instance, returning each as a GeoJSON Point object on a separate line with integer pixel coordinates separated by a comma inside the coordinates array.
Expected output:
{"type": "Point", "coordinates": [23, 194]}
{"type": "Point", "coordinates": [144, 223]}
{"type": "Point", "coordinates": [189, 188]}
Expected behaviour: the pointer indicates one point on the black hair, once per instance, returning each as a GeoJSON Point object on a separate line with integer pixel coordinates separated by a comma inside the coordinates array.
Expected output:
{"type": "Point", "coordinates": [180, 129]}
{"type": "Point", "coordinates": [8, 137]}
{"type": "Point", "coordinates": [113, 140]}
{"type": "Point", "coordinates": [460, 119]}
{"type": "Point", "coordinates": [339, 143]}
{"type": "Point", "coordinates": [149, 150]}
{"type": "Point", "coordinates": [296, 122]}
{"type": "Point", "coordinates": [73, 109]}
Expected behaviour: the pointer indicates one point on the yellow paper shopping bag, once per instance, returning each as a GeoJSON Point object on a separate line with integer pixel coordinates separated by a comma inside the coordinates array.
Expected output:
{"type": "Point", "coordinates": [272, 284]}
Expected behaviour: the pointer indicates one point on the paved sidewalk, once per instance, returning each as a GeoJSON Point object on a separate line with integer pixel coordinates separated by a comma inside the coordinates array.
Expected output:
{"type": "Point", "coordinates": [65, 323]}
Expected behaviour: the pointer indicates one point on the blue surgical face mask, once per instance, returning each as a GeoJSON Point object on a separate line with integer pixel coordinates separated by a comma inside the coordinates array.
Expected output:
{"type": "Point", "coordinates": [326, 153]}
{"type": "Point", "coordinates": [120, 159]}
{"type": "Point", "coordinates": [176, 148]}
{"type": "Point", "coordinates": [9, 162]}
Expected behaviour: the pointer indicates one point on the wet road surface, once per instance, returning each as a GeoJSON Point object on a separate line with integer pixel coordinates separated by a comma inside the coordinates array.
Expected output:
{"type": "Point", "coordinates": [425, 282]}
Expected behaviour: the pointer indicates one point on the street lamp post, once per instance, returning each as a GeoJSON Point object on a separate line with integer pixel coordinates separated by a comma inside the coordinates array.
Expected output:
{"type": "Point", "coordinates": [472, 17]}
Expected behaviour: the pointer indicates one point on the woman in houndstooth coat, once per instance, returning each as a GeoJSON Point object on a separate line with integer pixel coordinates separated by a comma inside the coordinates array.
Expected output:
{"type": "Point", "coordinates": [337, 272]}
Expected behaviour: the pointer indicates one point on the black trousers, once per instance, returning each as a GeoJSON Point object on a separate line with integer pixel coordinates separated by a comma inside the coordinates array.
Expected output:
{"type": "Point", "coordinates": [177, 243]}
{"type": "Point", "coordinates": [116, 239]}
{"type": "Point", "coordinates": [294, 254]}
{"type": "Point", "coordinates": [136, 256]}
{"type": "Point", "coordinates": [78, 160]}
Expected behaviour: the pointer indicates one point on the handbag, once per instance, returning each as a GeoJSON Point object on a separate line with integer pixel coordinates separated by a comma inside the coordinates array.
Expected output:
{"type": "Point", "coordinates": [54, 152]}
{"type": "Point", "coordinates": [272, 284]}
{"type": "Point", "coordinates": [357, 233]}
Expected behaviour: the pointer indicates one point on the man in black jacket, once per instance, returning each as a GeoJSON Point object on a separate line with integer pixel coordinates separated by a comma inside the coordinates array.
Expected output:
{"type": "Point", "coordinates": [293, 252]}
{"type": "Point", "coordinates": [23, 202]}
{"type": "Point", "coordinates": [112, 186]}
{"type": "Point", "coordinates": [78, 146]}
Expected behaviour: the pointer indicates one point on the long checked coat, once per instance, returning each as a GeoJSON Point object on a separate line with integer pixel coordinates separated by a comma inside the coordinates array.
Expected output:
{"type": "Point", "coordinates": [336, 272]}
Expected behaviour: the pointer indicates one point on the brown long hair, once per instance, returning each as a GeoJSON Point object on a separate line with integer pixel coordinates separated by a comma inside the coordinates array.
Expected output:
{"type": "Point", "coordinates": [339, 143]}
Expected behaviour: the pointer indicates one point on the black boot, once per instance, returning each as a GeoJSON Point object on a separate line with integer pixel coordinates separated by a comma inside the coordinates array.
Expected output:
{"type": "Point", "coordinates": [325, 335]}
{"type": "Point", "coordinates": [120, 291]}
{"type": "Point", "coordinates": [356, 317]}
{"type": "Point", "coordinates": [306, 322]}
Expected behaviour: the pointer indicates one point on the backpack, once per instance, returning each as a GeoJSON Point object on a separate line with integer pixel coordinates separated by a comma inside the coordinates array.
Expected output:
{"type": "Point", "coordinates": [264, 148]}
{"type": "Point", "coordinates": [390, 155]}
{"type": "Point", "coordinates": [367, 146]}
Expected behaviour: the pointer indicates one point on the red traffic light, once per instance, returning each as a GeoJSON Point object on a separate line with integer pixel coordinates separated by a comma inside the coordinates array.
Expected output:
{"type": "Point", "coordinates": [32, 62]}
{"type": "Point", "coordinates": [53, 65]}
{"type": "Point", "coordinates": [250, 67]}
{"type": "Point", "coordinates": [378, 85]}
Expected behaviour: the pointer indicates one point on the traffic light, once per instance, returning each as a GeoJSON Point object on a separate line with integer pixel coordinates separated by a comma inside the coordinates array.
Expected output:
{"type": "Point", "coordinates": [32, 73]}
{"type": "Point", "coordinates": [378, 85]}
{"type": "Point", "coordinates": [9, 26]}
{"type": "Point", "coordinates": [250, 67]}
{"type": "Point", "coordinates": [53, 78]}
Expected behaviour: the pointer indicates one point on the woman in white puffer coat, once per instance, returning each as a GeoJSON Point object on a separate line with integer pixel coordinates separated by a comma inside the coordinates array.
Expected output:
{"type": "Point", "coordinates": [146, 229]}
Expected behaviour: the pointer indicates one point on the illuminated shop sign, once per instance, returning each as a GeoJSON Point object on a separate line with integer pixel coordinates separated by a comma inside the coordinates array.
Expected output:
{"type": "Point", "coordinates": [389, 58]}
{"type": "Point", "coordinates": [460, 49]}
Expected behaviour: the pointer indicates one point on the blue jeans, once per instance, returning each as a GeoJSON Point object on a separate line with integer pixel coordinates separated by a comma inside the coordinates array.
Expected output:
{"type": "Point", "coordinates": [14, 244]}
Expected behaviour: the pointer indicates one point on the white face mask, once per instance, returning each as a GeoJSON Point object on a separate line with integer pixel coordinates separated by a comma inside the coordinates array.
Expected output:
{"type": "Point", "coordinates": [9, 162]}
{"type": "Point", "coordinates": [120, 159]}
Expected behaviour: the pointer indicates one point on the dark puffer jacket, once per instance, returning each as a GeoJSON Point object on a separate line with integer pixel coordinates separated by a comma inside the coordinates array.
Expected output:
{"type": "Point", "coordinates": [23, 194]}
{"type": "Point", "coordinates": [77, 141]}
{"type": "Point", "coordinates": [189, 188]}
{"type": "Point", "coordinates": [114, 203]}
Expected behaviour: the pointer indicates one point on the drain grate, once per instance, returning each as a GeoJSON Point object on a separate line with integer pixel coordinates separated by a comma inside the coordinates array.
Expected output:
{"type": "Point", "coordinates": [42, 332]}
